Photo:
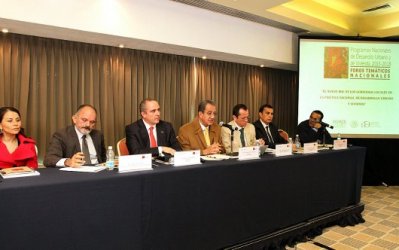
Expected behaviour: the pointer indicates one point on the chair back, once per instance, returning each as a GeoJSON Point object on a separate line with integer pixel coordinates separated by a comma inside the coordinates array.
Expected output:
{"type": "Point", "coordinates": [283, 134]}
{"type": "Point", "coordinates": [122, 148]}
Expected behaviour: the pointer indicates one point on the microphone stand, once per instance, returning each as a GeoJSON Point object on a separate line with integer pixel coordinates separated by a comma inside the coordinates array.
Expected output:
{"type": "Point", "coordinates": [232, 140]}
{"type": "Point", "coordinates": [231, 136]}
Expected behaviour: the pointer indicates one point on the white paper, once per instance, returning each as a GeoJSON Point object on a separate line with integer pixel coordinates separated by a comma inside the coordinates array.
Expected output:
{"type": "Point", "coordinates": [34, 173]}
{"type": "Point", "coordinates": [215, 157]}
{"type": "Point", "coordinates": [129, 163]}
{"type": "Point", "coordinates": [182, 158]}
{"type": "Point", "coordinates": [247, 153]}
{"type": "Point", "coordinates": [340, 144]}
{"type": "Point", "coordinates": [310, 148]}
{"type": "Point", "coordinates": [283, 149]}
{"type": "Point", "coordinates": [86, 169]}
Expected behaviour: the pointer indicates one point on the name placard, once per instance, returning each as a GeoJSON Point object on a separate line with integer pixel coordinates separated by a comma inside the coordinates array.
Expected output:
{"type": "Point", "coordinates": [310, 148]}
{"type": "Point", "coordinates": [283, 149]}
{"type": "Point", "coordinates": [248, 153]}
{"type": "Point", "coordinates": [183, 158]}
{"type": "Point", "coordinates": [340, 144]}
{"type": "Point", "coordinates": [129, 163]}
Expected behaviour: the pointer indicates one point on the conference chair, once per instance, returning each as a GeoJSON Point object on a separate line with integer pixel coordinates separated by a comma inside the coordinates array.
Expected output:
{"type": "Point", "coordinates": [121, 147]}
{"type": "Point", "coordinates": [283, 134]}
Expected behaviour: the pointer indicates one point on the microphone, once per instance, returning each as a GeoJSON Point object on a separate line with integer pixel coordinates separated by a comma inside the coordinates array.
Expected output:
{"type": "Point", "coordinates": [222, 124]}
{"type": "Point", "coordinates": [326, 125]}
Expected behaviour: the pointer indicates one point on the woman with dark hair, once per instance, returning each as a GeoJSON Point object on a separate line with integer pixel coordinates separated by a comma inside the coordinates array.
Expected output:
{"type": "Point", "coordinates": [15, 148]}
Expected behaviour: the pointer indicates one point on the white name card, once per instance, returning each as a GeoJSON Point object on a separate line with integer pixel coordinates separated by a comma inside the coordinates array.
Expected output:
{"type": "Point", "coordinates": [129, 163]}
{"type": "Point", "coordinates": [310, 148]}
{"type": "Point", "coordinates": [183, 158]}
{"type": "Point", "coordinates": [283, 149]}
{"type": "Point", "coordinates": [340, 144]}
{"type": "Point", "coordinates": [248, 153]}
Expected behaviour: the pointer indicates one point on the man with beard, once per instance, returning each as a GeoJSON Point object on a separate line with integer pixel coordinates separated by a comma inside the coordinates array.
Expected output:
{"type": "Point", "coordinates": [78, 144]}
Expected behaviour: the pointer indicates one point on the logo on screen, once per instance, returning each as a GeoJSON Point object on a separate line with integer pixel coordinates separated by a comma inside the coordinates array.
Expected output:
{"type": "Point", "coordinates": [336, 62]}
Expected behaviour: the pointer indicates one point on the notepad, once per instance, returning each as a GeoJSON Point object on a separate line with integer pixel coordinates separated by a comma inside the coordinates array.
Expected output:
{"type": "Point", "coordinates": [15, 172]}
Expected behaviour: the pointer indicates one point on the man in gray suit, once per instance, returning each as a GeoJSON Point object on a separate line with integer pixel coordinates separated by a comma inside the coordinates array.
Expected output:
{"type": "Point", "coordinates": [78, 144]}
{"type": "Point", "coordinates": [244, 134]}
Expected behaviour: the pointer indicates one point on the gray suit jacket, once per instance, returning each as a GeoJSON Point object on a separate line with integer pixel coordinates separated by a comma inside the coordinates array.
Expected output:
{"type": "Point", "coordinates": [65, 143]}
{"type": "Point", "coordinates": [249, 133]}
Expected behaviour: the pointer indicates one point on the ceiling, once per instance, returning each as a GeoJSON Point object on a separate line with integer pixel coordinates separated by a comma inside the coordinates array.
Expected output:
{"type": "Point", "coordinates": [315, 17]}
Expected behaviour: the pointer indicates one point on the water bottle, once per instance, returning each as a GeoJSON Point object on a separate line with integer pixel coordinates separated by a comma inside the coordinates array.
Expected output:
{"type": "Point", "coordinates": [297, 142]}
{"type": "Point", "coordinates": [339, 136]}
{"type": "Point", "coordinates": [110, 158]}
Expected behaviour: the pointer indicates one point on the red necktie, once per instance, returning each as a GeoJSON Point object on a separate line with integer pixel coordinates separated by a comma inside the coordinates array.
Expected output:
{"type": "Point", "coordinates": [153, 142]}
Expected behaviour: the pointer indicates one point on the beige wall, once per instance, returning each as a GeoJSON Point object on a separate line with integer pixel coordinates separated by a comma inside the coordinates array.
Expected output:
{"type": "Point", "coordinates": [156, 25]}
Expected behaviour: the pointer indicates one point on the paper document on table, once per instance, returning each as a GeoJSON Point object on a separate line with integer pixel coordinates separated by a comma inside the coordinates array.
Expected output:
{"type": "Point", "coordinates": [86, 169]}
{"type": "Point", "coordinates": [215, 157]}
{"type": "Point", "coordinates": [14, 172]}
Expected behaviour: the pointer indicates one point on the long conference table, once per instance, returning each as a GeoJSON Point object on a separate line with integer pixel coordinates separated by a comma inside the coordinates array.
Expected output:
{"type": "Point", "coordinates": [226, 204]}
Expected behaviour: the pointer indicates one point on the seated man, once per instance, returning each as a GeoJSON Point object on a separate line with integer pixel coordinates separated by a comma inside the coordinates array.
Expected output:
{"type": "Point", "coordinates": [77, 145]}
{"type": "Point", "coordinates": [202, 133]}
{"type": "Point", "coordinates": [312, 130]}
{"type": "Point", "coordinates": [243, 132]}
{"type": "Point", "coordinates": [265, 129]}
{"type": "Point", "coordinates": [150, 134]}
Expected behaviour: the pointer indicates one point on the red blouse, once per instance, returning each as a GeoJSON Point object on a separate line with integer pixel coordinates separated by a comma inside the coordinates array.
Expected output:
{"type": "Point", "coordinates": [24, 155]}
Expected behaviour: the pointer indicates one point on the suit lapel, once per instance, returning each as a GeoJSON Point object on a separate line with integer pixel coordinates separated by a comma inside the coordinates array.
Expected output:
{"type": "Point", "coordinates": [259, 125]}
{"type": "Point", "coordinates": [72, 133]}
{"type": "Point", "coordinates": [161, 136]}
{"type": "Point", "coordinates": [97, 144]}
{"type": "Point", "coordinates": [144, 133]}
{"type": "Point", "coordinates": [212, 135]}
{"type": "Point", "coordinates": [200, 134]}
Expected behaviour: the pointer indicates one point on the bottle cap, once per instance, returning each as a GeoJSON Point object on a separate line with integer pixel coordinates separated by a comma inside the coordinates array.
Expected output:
{"type": "Point", "coordinates": [109, 147]}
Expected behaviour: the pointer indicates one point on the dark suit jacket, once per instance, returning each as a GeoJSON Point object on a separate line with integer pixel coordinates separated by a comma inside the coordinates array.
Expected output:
{"type": "Point", "coordinates": [65, 143]}
{"type": "Point", "coordinates": [307, 134]}
{"type": "Point", "coordinates": [261, 133]}
{"type": "Point", "coordinates": [138, 141]}
{"type": "Point", "coordinates": [191, 136]}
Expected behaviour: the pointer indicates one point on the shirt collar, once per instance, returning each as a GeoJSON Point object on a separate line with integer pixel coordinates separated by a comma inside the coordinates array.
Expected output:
{"type": "Point", "coordinates": [264, 124]}
{"type": "Point", "coordinates": [235, 124]}
{"type": "Point", "coordinates": [148, 126]}
{"type": "Point", "coordinates": [80, 134]}
{"type": "Point", "coordinates": [202, 126]}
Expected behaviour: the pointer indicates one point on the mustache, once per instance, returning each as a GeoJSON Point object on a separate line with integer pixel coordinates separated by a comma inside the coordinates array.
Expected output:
{"type": "Point", "coordinates": [87, 128]}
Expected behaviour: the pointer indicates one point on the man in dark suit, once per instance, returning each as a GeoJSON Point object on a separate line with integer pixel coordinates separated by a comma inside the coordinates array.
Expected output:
{"type": "Point", "coordinates": [312, 130]}
{"type": "Point", "coordinates": [79, 144]}
{"type": "Point", "coordinates": [265, 129]}
{"type": "Point", "coordinates": [150, 134]}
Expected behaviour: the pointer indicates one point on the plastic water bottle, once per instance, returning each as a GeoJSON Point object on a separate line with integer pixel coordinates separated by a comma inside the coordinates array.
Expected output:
{"type": "Point", "coordinates": [297, 142]}
{"type": "Point", "coordinates": [339, 136]}
{"type": "Point", "coordinates": [110, 158]}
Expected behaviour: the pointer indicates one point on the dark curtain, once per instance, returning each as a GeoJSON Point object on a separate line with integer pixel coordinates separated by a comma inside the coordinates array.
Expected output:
{"type": "Point", "coordinates": [47, 79]}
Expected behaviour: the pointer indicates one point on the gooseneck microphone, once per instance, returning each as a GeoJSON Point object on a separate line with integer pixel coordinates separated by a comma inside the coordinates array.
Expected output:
{"type": "Point", "coordinates": [326, 125]}
{"type": "Point", "coordinates": [222, 124]}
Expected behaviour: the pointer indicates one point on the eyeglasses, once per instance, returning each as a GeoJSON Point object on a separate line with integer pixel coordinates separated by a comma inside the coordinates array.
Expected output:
{"type": "Point", "coordinates": [246, 118]}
